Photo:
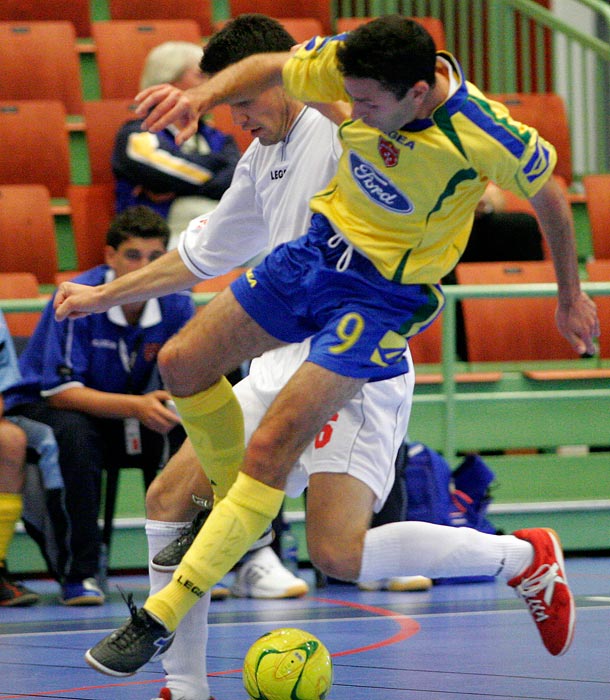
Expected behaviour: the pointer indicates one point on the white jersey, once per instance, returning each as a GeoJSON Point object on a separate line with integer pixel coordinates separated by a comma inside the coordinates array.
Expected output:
{"type": "Point", "coordinates": [268, 204]}
{"type": "Point", "coordinates": [268, 201]}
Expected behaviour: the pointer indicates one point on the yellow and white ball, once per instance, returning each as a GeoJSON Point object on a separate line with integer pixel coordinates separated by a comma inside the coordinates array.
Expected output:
{"type": "Point", "coordinates": [288, 664]}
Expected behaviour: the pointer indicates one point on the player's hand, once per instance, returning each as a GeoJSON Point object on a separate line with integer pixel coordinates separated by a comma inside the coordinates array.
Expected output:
{"type": "Point", "coordinates": [77, 300]}
{"type": "Point", "coordinates": [578, 322]}
{"type": "Point", "coordinates": [162, 105]}
{"type": "Point", "coordinates": [154, 414]}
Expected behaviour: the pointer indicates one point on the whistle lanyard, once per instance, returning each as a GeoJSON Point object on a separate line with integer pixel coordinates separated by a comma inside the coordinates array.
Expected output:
{"type": "Point", "coordinates": [128, 360]}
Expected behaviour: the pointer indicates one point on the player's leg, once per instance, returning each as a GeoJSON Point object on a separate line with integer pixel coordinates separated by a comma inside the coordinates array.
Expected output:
{"type": "Point", "coordinates": [12, 458]}
{"type": "Point", "coordinates": [339, 510]}
{"type": "Point", "coordinates": [177, 504]}
{"type": "Point", "coordinates": [193, 364]}
{"type": "Point", "coordinates": [169, 497]}
{"type": "Point", "coordinates": [170, 510]}
{"type": "Point", "coordinates": [292, 421]}
{"type": "Point", "coordinates": [215, 341]}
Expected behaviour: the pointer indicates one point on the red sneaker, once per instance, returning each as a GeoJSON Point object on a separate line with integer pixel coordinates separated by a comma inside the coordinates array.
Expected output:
{"type": "Point", "coordinates": [544, 588]}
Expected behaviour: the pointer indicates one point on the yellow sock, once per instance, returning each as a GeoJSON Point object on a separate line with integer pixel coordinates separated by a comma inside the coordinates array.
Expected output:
{"type": "Point", "coordinates": [234, 524]}
{"type": "Point", "coordinates": [11, 505]}
{"type": "Point", "coordinates": [214, 423]}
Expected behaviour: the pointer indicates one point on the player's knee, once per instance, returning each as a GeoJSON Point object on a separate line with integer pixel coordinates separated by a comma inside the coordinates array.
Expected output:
{"type": "Point", "coordinates": [168, 361]}
{"type": "Point", "coordinates": [264, 460]}
{"type": "Point", "coordinates": [154, 500]}
{"type": "Point", "coordinates": [13, 445]}
{"type": "Point", "coordinates": [335, 558]}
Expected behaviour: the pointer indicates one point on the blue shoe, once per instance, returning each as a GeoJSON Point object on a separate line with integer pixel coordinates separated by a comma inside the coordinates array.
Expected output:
{"type": "Point", "coordinates": [85, 592]}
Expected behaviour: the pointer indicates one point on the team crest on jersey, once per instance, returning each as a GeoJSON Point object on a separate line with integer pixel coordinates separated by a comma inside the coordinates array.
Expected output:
{"type": "Point", "coordinates": [377, 187]}
{"type": "Point", "coordinates": [388, 151]}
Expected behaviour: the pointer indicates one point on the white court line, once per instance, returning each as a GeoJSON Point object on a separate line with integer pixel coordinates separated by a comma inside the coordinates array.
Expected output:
{"type": "Point", "coordinates": [293, 621]}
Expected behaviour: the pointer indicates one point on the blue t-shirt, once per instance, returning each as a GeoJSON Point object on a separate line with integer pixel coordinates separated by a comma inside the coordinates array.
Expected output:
{"type": "Point", "coordinates": [100, 351]}
{"type": "Point", "coordinates": [9, 369]}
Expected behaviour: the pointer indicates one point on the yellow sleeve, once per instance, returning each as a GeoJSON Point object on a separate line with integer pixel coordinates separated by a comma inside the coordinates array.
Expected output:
{"type": "Point", "coordinates": [312, 75]}
{"type": "Point", "coordinates": [527, 160]}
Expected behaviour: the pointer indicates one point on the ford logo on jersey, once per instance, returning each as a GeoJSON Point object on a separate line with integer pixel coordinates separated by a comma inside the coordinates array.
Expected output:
{"type": "Point", "coordinates": [377, 187]}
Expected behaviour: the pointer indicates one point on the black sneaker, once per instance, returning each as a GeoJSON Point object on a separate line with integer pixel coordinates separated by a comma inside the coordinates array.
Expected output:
{"type": "Point", "coordinates": [134, 644]}
{"type": "Point", "coordinates": [14, 594]}
{"type": "Point", "coordinates": [170, 556]}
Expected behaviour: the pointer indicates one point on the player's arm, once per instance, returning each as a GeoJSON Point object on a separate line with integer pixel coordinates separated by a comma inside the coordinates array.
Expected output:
{"type": "Point", "coordinates": [162, 105]}
{"type": "Point", "coordinates": [150, 409]}
{"type": "Point", "coordinates": [165, 275]}
{"type": "Point", "coordinates": [576, 312]}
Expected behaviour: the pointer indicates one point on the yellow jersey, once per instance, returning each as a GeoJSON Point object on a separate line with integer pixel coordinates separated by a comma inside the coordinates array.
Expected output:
{"type": "Point", "coordinates": [406, 199]}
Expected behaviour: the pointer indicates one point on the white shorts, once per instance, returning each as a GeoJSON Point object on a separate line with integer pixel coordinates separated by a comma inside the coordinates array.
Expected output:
{"type": "Point", "coordinates": [362, 440]}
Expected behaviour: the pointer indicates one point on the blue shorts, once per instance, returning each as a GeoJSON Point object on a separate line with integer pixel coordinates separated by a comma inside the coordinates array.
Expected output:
{"type": "Point", "coordinates": [358, 320]}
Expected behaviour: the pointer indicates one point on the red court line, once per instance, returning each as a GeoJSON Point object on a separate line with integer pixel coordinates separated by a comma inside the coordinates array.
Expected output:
{"type": "Point", "coordinates": [407, 628]}
{"type": "Point", "coordinates": [123, 684]}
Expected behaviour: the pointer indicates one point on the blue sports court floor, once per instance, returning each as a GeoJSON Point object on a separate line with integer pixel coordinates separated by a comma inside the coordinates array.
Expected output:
{"type": "Point", "coordinates": [458, 642]}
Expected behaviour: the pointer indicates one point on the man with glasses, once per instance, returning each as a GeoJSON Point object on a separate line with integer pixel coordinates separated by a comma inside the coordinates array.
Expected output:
{"type": "Point", "coordinates": [94, 381]}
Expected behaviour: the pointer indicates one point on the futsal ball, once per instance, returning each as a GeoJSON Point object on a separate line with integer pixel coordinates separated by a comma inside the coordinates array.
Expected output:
{"type": "Point", "coordinates": [288, 664]}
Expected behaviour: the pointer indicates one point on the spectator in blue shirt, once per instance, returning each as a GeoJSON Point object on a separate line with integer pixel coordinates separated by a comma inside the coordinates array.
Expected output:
{"type": "Point", "coordinates": [94, 381]}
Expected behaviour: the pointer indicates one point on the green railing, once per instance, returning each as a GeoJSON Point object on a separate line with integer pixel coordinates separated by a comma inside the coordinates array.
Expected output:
{"type": "Point", "coordinates": [450, 363]}
{"type": "Point", "coordinates": [455, 293]}
{"type": "Point", "coordinates": [521, 46]}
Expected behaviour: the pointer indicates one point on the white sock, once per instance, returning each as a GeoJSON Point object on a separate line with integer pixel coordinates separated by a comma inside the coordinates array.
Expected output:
{"type": "Point", "coordinates": [411, 548]}
{"type": "Point", "coordinates": [184, 662]}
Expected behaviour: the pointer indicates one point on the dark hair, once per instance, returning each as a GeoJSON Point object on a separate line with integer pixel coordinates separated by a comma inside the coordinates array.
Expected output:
{"type": "Point", "coordinates": [138, 221]}
{"type": "Point", "coordinates": [393, 50]}
{"type": "Point", "coordinates": [241, 37]}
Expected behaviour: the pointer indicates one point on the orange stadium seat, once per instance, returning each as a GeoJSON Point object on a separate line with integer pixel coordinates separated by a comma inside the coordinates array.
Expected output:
{"type": "Point", "coordinates": [103, 118]}
{"type": "Point", "coordinates": [92, 210]}
{"type": "Point", "coordinates": [433, 25]}
{"type": "Point", "coordinates": [426, 347]}
{"type": "Point", "coordinates": [302, 28]}
{"type": "Point", "coordinates": [198, 10]}
{"type": "Point", "coordinates": [318, 9]}
{"type": "Point", "coordinates": [20, 285]}
{"type": "Point", "coordinates": [122, 46]}
{"type": "Point", "coordinates": [27, 231]}
{"type": "Point", "coordinates": [517, 329]}
{"type": "Point", "coordinates": [597, 191]}
{"type": "Point", "coordinates": [35, 147]}
{"type": "Point", "coordinates": [39, 61]}
{"type": "Point", "coordinates": [76, 11]}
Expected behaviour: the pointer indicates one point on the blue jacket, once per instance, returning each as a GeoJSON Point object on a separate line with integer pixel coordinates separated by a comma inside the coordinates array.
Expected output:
{"type": "Point", "coordinates": [152, 170]}
{"type": "Point", "coordinates": [99, 351]}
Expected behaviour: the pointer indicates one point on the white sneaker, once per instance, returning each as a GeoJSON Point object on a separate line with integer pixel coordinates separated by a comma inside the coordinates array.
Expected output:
{"type": "Point", "coordinates": [398, 583]}
{"type": "Point", "coordinates": [263, 576]}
